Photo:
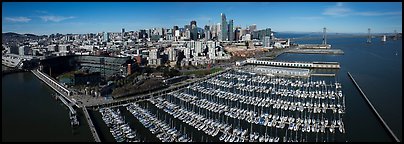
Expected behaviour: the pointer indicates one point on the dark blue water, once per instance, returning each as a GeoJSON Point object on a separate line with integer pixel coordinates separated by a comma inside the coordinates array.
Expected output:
{"type": "Point", "coordinates": [377, 68]}
{"type": "Point", "coordinates": [30, 113]}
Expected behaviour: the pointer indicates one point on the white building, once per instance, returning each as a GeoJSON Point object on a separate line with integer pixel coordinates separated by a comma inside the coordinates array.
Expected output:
{"type": "Point", "coordinates": [267, 42]}
{"type": "Point", "coordinates": [172, 54]}
{"type": "Point", "coordinates": [154, 59]}
{"type": "Point", "coordinates": [64, 48]}
{"type": "Point", "coordinates": [23, 50]}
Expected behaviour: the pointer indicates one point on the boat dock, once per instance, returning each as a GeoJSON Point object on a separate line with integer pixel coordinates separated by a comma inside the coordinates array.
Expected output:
{"type": "Point", "coordinates": [315, 46]}
{"type": "Point", "coordinates": [72, 111]}
{"type": "Point", "coordinates": [310, 65]}
{"type": "Point", "coordinates": [91, 125]}
{"type": "Point", "coordinates": [374, 110]}
{"type": "Point", "coordinates": [322, 75]}
{"type": "Point", "coordinates": [317, 51]}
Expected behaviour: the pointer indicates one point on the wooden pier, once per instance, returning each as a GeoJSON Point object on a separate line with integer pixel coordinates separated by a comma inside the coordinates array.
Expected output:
{"type": "Point", "coordinates": [91, 125]}
{"type": "Point", "coordinates": [374, 110]}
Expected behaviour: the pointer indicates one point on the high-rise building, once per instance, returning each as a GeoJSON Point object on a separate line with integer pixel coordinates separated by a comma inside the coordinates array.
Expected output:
{"type": "Point", "coordinates": [231, 31]}
{"type": "Point", "coordinates": [218, 31]}
{"type": "Point", "coordinates": [187, 34]}
{"type": "Point", "coordinates": [252, 28]}
{"type": "Point", "coordinates": [267, 42]}
{"type": "Point", "coordinates": [23, 50]}
{"type": "Point", "coordinates": [224, 28]}
{"type": "Point", "coordinates": [237, 33]}
{"type": "Point", "coordinates": [194, 30]}
{"type": "Point", "coordinates": [172, 54]}
{"type": "Point", "coordinates": [106, 37]}
{"type": "Point", "coordinates": [207, 32]}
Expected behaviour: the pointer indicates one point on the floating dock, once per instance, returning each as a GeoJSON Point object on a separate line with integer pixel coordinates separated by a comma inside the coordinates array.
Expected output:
{"type": "Point", "coordinates": [374, 110]}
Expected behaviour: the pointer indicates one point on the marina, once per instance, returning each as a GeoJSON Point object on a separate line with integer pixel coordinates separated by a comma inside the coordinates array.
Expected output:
{"type": "Point", "coordinates": [230, 104]}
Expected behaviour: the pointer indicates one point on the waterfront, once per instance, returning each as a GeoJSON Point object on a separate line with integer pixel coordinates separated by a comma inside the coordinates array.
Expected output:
{"type": "Point", "coordinates": [30, 113]}
{"type": "Point", "coordinates": [34, 114]}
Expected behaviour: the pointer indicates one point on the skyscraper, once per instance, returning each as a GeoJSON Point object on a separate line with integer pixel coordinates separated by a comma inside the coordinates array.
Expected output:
{"type": "Point", "coordinates": [224, 27]}
{"type": "Point", "coordinates": [237, 33]}
{"type": "Point", "coordinates": [252, 28]}
{"type": "Point", "coordinates": [218, 31]}
{"type": "Point", "coordinates": [194, 30]}
{"type": "Point", "coordinates": [231, 31]}
{"type": "Point", "coordinates": [106, 37]}
{"type": "Point", "coordinates": [207, 32]}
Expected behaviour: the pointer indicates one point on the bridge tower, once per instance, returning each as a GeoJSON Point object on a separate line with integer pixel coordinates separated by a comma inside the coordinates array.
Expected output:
{"type": "Point", "coordinates": [395, 35]}
{"type": "Point", "coordinates": [324, 36]}
{"type": "Point", "coordinates": [369, 37]}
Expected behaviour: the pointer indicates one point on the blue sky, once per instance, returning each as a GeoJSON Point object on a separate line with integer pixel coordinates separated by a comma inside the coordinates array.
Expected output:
{"type": "Point", "coordinates": [91, 17]}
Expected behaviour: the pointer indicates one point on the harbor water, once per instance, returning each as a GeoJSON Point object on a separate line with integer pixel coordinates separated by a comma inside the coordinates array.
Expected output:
{"type": "Point", "coordinates": [31, 113]}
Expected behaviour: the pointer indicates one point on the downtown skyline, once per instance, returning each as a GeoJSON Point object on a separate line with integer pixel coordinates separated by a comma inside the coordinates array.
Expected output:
{"type": "Point", "coordinates": [80, 18]}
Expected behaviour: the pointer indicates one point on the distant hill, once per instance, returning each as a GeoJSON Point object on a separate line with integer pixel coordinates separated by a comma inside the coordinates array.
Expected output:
{"type": "Point", "coordinates": [15, 38]}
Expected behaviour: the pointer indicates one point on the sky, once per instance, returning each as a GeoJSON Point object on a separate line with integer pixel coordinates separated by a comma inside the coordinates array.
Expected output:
{"type": "Point", "coordinates": [93, 17]}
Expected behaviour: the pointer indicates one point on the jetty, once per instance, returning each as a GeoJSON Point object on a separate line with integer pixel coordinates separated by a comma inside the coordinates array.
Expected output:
{"type": "Point", "coordinates": [374, 110]}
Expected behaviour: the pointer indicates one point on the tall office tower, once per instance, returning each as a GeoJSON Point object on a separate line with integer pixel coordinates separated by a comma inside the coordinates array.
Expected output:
{"type": "Point", "coordinates": [194, 30]}
{"type": "Point", "coordinates": [106, 37]}
{"type": "Point", "coordinates": [175, 28]}
{"type": "Point", "coordinates": [231, 31]}
{"type": "Point", "coordinates": [264, 33]}
{"type": "Point", "coordinates": [252, 28]}
{"type": "Point", "coordinates": [207, 32]}
{"type": "Point", "coordinates": [218, 31]}
{"type": "Point", "coordinates": [237, 33]}
{"type": "Point", "coordinates": [123, 31]}
{"type": "Point", "coordinates": [148, 32]}
{"type": "Point", "coordinates": [224, 27]}
{"type": "Point", "coordinates": [213, 31]}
